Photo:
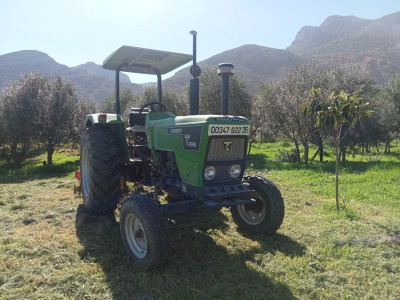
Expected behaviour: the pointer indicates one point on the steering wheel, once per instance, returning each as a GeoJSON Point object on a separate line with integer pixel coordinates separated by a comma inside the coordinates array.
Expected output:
{"type": "Point", "coordinates": [153, 106]}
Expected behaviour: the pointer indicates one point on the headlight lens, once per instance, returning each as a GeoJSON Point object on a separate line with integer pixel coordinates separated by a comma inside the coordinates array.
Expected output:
{"type": "Point", "coordinates": [209, 173]}
{"type": "Point", "coordinates": [234, 171]}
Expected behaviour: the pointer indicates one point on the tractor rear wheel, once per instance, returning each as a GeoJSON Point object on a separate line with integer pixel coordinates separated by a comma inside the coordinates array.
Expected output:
{"type": "Point", "coordinates": [100, 170]}
{"type": "Point", "coordinates": [266, 214]}
{"type": "Point", "coordinates": [144, 231]}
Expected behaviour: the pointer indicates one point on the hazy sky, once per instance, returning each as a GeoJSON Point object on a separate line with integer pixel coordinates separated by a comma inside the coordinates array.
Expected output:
{"type": "Point", "coordinates": [74, 32]}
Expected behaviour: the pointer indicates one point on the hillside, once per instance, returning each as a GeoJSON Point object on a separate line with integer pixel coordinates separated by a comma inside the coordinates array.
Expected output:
{"type": "Point", "coordinates": [253, 63]}
{"type": "Point", "coordinates": [374, 44]}
{"type": "Point", "coordinates": [91, 80]}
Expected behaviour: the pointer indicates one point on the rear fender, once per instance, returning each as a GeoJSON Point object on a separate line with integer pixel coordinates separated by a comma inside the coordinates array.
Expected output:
{"type": "Point", "coordinates": [117, 125]}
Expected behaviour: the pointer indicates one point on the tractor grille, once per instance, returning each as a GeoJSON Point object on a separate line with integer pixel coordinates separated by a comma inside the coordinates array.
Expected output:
{"type": "Point", "coordinates": [222, 148]}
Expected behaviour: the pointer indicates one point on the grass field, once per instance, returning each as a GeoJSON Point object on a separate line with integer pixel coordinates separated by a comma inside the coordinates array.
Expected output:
{"type": "Point", "coordinates": [50, 249]}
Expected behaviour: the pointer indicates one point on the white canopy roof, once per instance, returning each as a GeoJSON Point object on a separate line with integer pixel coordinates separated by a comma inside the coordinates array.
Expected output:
{"type": "Point", "coordinates": [145, 61]}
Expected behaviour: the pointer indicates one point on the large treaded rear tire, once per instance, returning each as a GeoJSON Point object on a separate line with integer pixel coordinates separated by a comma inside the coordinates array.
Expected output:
{"type": "Point", "coordinates": [100, 170]}
{"type": "Point", "coordinates": [144, 231]}
{"type": "Point", "coordinates": [266, 215]}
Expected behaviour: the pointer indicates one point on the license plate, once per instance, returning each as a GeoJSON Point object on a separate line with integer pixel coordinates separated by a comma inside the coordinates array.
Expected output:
{"type": "Point", "coordinates": [228, 130]}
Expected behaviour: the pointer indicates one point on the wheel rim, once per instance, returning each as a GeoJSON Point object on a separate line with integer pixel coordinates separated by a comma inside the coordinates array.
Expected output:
{"type": "Point", "coordinates": [254, 215]}
{"type": "Point", "coordinates": [85, 173]}
{"type": "Point", "coordinates": [136, 235]}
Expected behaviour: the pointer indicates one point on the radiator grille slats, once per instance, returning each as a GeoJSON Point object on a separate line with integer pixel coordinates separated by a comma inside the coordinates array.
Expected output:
{"type": "Point", "coordinates": [226, 148]}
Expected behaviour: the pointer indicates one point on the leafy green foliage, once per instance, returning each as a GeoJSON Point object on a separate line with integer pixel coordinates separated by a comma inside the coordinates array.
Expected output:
{"type": "Point", "coordinates": [278, 106]}
{"type": "Point", "coordinates": [282, 102]}
{"type": "Point", "coordinates": [19, 105]}
{"type": "Point", "coordinates": [335, 111]}
{"type": "Point", "coordinates": [173, 102]}
{"type": "Point", "coordinates": [389, 108]}
{"type": "Point", "coordinates": [56, 120]}
{"type": "Point", "coordinates": [37, 109]}
{"type": "Point", "coordinates": [287, 156]}
{"type": "Point", "coordinates": [210, 95]}
{"type": "Point", "coordinates": [128, 99]}
{"type": "Point", "coordinates": [337, 115]}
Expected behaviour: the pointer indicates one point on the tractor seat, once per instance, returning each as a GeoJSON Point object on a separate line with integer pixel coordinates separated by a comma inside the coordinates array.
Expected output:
{"type": "Point", "coordinates": [137, 118]}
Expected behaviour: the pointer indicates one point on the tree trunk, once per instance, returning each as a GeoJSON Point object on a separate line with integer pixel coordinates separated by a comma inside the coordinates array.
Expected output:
{"type": "Point", "coordinates": [249, 149]}
{"type": "Point", "coordinates": [252, 139]}
{"type": "Point", "coordinates": [306, 151]}
{"type": "Point", "coordinates": [343, 154]}
{"type": "Point", "coordinates": [315, 154]}
{"type": "Point", "coordinates": [321, 150]}
{"type": "Point", "coordinates": [337, 154]}
{"type": "Point", "coordinates": [387, 147]}
{"type": "Point", "coordinates": [296, 144]}
{"type": "Point", "coordinates": [4, 154]}
{"type": "Point", "coordinates": [50, 151]}
{"type": "Point", "coordinates": [14, 156]}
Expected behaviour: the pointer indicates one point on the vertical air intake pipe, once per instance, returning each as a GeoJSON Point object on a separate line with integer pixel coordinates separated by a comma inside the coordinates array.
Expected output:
{"type": "Point", "coordinates": [225, 70]}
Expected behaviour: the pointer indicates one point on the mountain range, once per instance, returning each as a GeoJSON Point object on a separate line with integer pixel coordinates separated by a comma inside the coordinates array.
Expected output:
{"type": "Point", "coordinates": [374, 44]}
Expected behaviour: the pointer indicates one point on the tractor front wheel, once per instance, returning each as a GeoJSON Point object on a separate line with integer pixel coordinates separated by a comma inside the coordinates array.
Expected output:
{"type": "Point", "coordinates": [266, 214]}
{"type": "Point", "coordinates": [100, 170]}
{"type": "Point", "coordinates": [144, 231]}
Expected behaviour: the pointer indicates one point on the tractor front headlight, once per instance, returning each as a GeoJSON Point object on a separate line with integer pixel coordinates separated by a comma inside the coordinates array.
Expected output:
{"type": "Point", "coordinates": [209, 173]}
{"type": "Point", "coordinates": [234, 171]}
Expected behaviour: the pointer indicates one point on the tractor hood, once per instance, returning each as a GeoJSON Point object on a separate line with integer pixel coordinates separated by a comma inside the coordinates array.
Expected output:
{"type": "Point", "coordinates": [188, 137]}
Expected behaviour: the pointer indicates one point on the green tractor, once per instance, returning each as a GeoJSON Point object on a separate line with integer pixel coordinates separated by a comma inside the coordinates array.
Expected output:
{"type": "Point", "coordinates": [197, 160]}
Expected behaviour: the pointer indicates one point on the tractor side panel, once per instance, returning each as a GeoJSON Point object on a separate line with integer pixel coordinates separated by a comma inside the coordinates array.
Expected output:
{"type": "Point", "coordinates": [188, 140]}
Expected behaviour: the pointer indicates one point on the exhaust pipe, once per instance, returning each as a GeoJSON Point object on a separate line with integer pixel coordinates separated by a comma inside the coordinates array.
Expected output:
{"type": "Point", "coordinates": [194, 82]}
{"type": "Point", "coordinates": [225, 71]}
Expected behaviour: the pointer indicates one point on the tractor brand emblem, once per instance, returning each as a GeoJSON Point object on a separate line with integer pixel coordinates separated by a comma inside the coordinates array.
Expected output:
{"type": "Point", "coordinates": [227, 146]}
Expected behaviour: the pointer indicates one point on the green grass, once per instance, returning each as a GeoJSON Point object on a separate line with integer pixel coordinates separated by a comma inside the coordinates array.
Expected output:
{"type": "Point", "coordinates": [50, 249]}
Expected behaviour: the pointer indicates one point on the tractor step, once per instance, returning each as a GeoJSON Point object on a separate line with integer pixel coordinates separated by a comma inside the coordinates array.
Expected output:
{"type": "Point", "coordinates": [237, 191]}
{"type": "Point", "coordinates": [228, 202]}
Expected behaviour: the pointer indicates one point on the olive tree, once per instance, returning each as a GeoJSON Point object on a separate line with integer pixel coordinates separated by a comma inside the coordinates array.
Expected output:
{"type": "Point", "coordinates": [3, 139]}
{"type": "Point", "coordinates": [260, 123]}
{"type": "Point", "coordinates": [128, 99]}
{"type": "Point", "coordinates": [170, 99]}
{"type": "Point", "coordinates": [56, 115]}
{"type": "Point", "coordinates": [84, 108]}
{"type": "Point", "coordinates": [282, 104]}
{"type": "Point", "coordinates": [38, 109]}
{"type": "Point", "coordinates": [388, 110]}
{"type": "Point", "coordinates": [210, 95]}
{"type": "Point", "coordinates": [19, 106]}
